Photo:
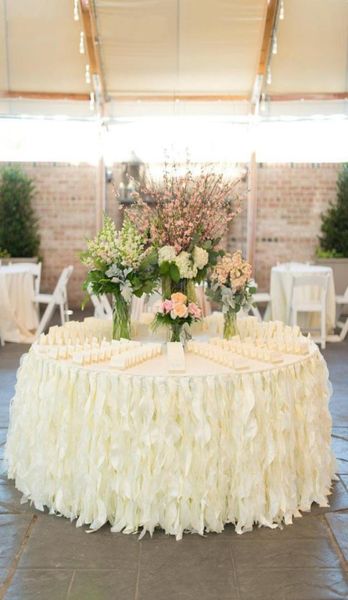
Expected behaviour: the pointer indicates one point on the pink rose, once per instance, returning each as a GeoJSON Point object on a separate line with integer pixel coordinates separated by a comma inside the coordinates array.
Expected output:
{"type": "Point", "coordinates": [167, 306]}
{"type": "Point", "coordinates": [194, 310]}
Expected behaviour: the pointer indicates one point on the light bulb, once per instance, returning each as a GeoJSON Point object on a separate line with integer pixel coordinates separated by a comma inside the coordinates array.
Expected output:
{"type": "Point", "coordinates": [82, 42]}
{"type": "Point", "coordinates": [88, 74]}
{"type": "Point", "coordinates": [76, 10]}
{"type": "Point", "coordinates": [281, 11]}
{"type": "Point", "coordinates": [263, 103]}
{"type": "Point", "coordinates": [269, 76]}
{"type": "Point", "coordinates": [274, 45]}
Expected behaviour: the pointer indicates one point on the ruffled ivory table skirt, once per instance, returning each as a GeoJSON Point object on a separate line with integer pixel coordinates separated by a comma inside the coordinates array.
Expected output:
{"type": "Point", "coordinates": [193, 452]}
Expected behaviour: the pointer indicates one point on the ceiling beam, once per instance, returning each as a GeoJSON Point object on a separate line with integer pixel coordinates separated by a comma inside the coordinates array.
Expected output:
{"type": "Point", "coordinates": [93, 48]}
{"type": "Point", "coordinates": [270, 22]}
{"type": "Point", "coordinates": [82, 97]}
{"type": "Point", "coordinates": [268, 29]}
{"type": "Point", "coordinates": [178, 97]}
{"type": "Point", "coordinates": [16, 94]}
{"type": "Point", "coordinates": [293, 96]}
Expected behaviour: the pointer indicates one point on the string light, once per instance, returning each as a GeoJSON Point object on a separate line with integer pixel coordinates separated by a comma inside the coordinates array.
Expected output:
{"type": "Point", "coordinates": [269, 76]}
{"type": "Point", "coordinates": [76, 10]}
{"type": "Point", "coordinates": [263, 105]}
{"type": "Point", "coordinates": [91, 101]}
{"type": "Point", "coordinates": [274, 45]}
{"type": "Point", "coordinates": [88, 74]}
{"type": "Point", "coordinates": [281, 11]}
{"type": "Point", "coordinates": [82, 42]}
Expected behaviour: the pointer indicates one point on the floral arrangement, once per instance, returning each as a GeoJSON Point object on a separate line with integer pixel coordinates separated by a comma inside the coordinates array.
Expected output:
{"type": "Point", "coordinates": [233, 287]}
{"type": "Point", "coordinates": [177, 313]}
{"type": "Point", "coordinates": [122, 264]}
{"type": "Point", "coordinates": [185, 223]}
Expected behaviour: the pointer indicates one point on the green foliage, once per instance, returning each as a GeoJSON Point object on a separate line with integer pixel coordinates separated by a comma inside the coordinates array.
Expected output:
{"type": "Point", "coordinates": [334, 227]}
{"type": "Point", "coordinates": [320, 253]}
{"type": "Point", "coordinates": [4, 254]}
{"type": "Point", "coordinates": [18, 224]}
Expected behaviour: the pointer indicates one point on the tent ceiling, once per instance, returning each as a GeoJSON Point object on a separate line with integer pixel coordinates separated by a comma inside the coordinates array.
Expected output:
{"type": "Point", "coordinates": [172, 47]}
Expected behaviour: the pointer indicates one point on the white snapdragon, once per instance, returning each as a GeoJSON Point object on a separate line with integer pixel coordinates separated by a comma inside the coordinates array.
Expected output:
{"type": "Point", "coordinates": [166, 254]}
{"type": "Point", "coordinates": [200, 257]}
{"type": "Point", "coordinates": [130, 245]}
{"type": "Point", "coordinates": [184, 264]}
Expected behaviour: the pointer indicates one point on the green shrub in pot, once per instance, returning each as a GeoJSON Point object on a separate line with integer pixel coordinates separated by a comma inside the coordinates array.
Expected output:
{"type": "Point", "coordinates": [334, 228]}
{"type": "Point", "coordinates": [19, 233]}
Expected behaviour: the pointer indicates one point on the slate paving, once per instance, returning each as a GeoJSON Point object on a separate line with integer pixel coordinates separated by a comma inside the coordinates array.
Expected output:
{"type": "Point", "coordinates": [47, 557]}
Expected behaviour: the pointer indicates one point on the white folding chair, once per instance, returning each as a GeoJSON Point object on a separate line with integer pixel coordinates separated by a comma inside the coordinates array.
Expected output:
{"type": "Point", "coordinates": [58, 298]}
{"type": "Point", "coordinates": [259, 298]}
{"type": "Point", "coordinates": [319, 282]}
{"type": "Point", "coordinates": [137, 307]}
{"type": "Point", "coordinates": [102, 308]}
{"type": "Point", "coordinates": [341, 301]}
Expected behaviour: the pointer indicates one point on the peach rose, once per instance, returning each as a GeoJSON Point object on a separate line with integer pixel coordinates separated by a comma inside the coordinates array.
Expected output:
{"type": "Point", "coordinates": [178, 297]}
{"type": "Point", "coordinates": [179, 310]}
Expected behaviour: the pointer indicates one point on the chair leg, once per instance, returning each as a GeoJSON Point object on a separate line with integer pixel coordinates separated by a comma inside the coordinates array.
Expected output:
{"type": "Point", "coordinates": [256, 313]}
{"type": "Point", "coordinates": [62, 313]}
{"type": "Point", "coordinates": [46, 317]}
{"type": "Point", "coordinates": [323, 330]}
{"type": "Point", "coordinates": [344, 330]}
{"type": "Point", "coordinates": [293, 317]}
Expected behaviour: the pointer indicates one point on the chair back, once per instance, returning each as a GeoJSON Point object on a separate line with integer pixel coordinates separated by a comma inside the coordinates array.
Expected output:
{"type": "Point", "coordinates": [345, 295]}
{"type": "Point", "coordinates": [102, 308]}
{"type": "Point", "coordinates": [318, 281]}
{"type": "Point", "coordinates": [60, 291]}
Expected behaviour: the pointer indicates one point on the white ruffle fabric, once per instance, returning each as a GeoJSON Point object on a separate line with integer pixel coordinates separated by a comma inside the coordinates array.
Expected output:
{"type": "Point", "coordinates": [186, 453]}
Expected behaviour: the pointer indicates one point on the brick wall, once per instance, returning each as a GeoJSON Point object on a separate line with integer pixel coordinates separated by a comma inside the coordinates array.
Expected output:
{"type": "Point", "coordinates": [65, 205]}
{"type": "Point", "coordinates": [290, 200]}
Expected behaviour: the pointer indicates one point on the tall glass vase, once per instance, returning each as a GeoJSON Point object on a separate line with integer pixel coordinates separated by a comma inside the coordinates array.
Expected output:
{"type": "Point", "coordinates": [230, 324]}
{"type": "Point", "coordinates": [175, 335]}
{"type": "Point", "coordinates": [121, 327]}
{"type": "Point", "coordinates": [185, 286]}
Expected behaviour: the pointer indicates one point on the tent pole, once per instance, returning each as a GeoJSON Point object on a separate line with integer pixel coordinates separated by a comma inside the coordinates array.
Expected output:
{"type": "Point", "coordinates": [252, 210]}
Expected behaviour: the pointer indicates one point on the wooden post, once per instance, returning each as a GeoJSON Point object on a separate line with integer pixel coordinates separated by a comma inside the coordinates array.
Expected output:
{"type": "Point", "coordinates": [252, 210]}
{"type": "Point", "coordinates": [100, 193]}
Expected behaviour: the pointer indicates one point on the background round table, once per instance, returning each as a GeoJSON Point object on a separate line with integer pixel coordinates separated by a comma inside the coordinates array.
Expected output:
{"type": "Point", "coordinates": [18, 313]}
{"type": "Point", "coordinates": [280, 291]}
{"type": "Point", "coordinates": [143, 448]}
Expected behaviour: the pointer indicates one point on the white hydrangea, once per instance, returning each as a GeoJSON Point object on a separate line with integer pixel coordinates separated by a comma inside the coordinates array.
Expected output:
{"type": "Point", "coordinates": [184, 264]}
{"type": "Point", "coordinates": [166, 253]}
{"type": "Point", "coordinates": [200, 257]}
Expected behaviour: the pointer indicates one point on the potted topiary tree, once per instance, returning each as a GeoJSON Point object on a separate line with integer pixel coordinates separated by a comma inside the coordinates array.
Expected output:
{"type": "Point", "coordinates": [19, 235]}
{"type": "Point", "coordinates": [333, 243]}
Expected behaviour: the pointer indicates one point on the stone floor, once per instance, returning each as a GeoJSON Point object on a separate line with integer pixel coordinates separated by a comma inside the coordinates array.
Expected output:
{"type": "Point", "coordinates": [46, 557]}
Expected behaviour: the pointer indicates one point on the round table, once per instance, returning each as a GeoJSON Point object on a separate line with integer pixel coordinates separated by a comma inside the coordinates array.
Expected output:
{"type": "Point", "coordinates": [18, 313]}
{"type": "Point", "coordinates": [280, 291]}
{"type": "Point", "coordinates": [142, 448]}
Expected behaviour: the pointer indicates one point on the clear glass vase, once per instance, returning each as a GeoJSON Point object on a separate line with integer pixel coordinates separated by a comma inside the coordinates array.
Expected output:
{"type": "Point", "coordinates": [230, 324]}
{"type": "Point", "coordinates": [185, 286]}
{"type": "Point", "coordinates": [175, 335]}
{"type": "Point", "coordinates": [121, 327]}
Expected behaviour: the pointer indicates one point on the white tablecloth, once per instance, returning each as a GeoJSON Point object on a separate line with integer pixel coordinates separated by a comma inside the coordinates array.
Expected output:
{"type": "Point", "coordinates": [191, 452]}
{"type": "Point", "coordinates": [280, 290]}
{"type": "Point", "coordinates": [18, 314]}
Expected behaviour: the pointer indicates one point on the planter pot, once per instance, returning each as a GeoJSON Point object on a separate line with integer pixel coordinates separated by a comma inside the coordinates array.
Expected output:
{"type": "Point", "coordinates": [339, 267]}
{"type": "Point", "coordinates": [14, 260]}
